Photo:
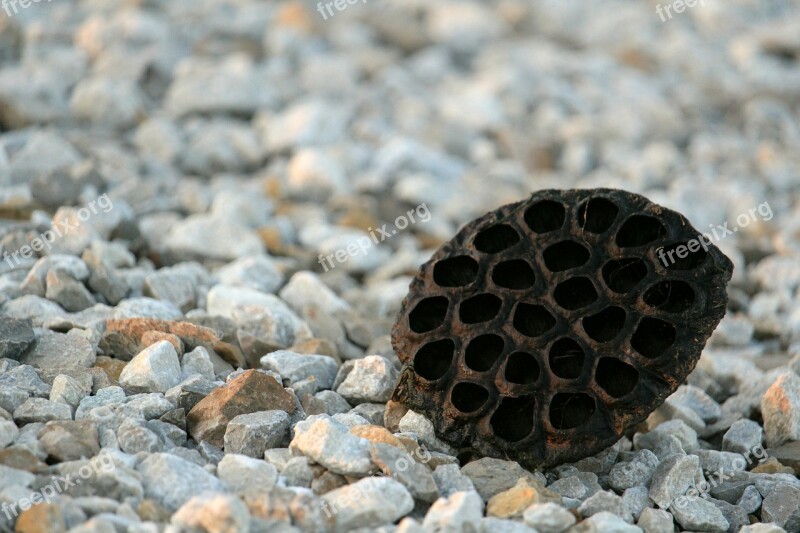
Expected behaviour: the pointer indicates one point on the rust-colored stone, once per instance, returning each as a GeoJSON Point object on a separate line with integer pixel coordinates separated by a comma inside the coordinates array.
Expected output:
{"type": "Point", "coordinates": [546, 328]}
{"type": "Point", "coordinates": [41, 518]}
{"type": "Point", "coordinates": [124, 338]}
{"type": "Point", "coordinates": [250, 392]}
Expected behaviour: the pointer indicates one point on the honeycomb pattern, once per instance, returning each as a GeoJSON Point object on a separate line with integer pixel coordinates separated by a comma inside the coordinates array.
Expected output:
{"type": "Point", "coordinates": [544, 329]}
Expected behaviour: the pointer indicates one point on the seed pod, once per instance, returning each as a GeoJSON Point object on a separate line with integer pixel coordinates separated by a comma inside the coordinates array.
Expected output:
{"type": "Point", "coordinates": [546, 328]}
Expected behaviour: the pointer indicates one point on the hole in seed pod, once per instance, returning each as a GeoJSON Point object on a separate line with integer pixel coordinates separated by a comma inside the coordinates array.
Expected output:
{"type": "Point", "coordinates": [678, 257]}
{"type": "Point", "coordinates": [468, 397]}
{"type": "Point", "coordinates": [565, 255]}
{"type": "Point", "coordinates": [483, 351]}
{"type": "Point", "coordinates": [428, 314]}
{"type": "Point", "coordinates": [516, 274]}
{"type": "Point", "coordinates": [434, 359]}
{"type": "Point", "coordinates": [605, 325]}
{"type": "Point", "coordinates": [597, 215]}
{"type": "Point", "coordinates": [545, 216]}
{"type": "Point", "coordinates": [569, 410]}
{"type": "Point", "coordinates": [479, 308]}
{"type": "Point", "coordinates": [638, 230]}
{"type": "Point", "coordinates": [522, 368]}
{"type": "Point", "coordinates": [566, 358]}
{"type": "Point", "coordinates": [532, 320]}
{"type": "Point", "coordinates": [575, 293]}
{"type": "Point", "coordinates": [616, 378]}
{"type": "Point", "coordinates": [513, 418]}
{"type": "Point", "coordinates": [653, 337]}
{"type": "Point", "coordinates": [496, 239]}
{"type": "Point", "coordinates": [455, 271]}
{"type": "Point", "coordinates": [622, 275]}
{"type": "Point", "coordinates": [672, 296]}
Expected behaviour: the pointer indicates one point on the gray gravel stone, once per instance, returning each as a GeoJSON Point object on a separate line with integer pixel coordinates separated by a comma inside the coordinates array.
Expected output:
{"type": "Point", "coordinates": [634, 500]}
{"type": "Point", "coordinates": [672, 478]}
{"type": "Point", "coordinates": [57, 350]}
{"type": "Point", "coordinates": [449, 479]}
{"type": "Point", "coordinates": [687, 437]}
{"type": "Point", "coordinates": [70, 440]}
{"type": "Point", "coordinates": [246, 474]}
{"type": "Point", "coordinates": [252, 434]}
{"type": "Point", "coordinates": [742, 437]}
{"type": "Point", "coordinates": [400, 466]}
{"type": "Point", "coordinates": [8, 432]}
{"type": "Point", "coordinates": [134, 437]}
{"type": "Point", "coordinates": [259, 273]}
{"type": "Point", "coordinates": [370, 502]}
{"type": "Point", "coordinates": [331, 444]}
{"type": "Point", "coordinates": [372, 379]}
{"type": "Point", "coordinates": [697, 514]}
{"type": "Point", "coordinates": [750, 500]}
{"type": "Point", "coordinates": [782, 507]}
{"type": "Point", "coordinates": [454, 513]}
{"type": "Point", "coordinates": [636, 471]}
{"type": "Point", "coordinates": [294, 367]}
{"type": "Point", "coordinates": [70, 294]}
{"type": "Point", "coordinates": [609, 523]}
{"type": "Point", "coordinates": [492, 476]}
{"type": "Point", "coordinates": [15, 337]}
{"type": "Point", "coordinates": [172, 481]}
{"type": "Point", "coordinates": [656, 521]}
{"type": "Point", "coordinates": [604, 501]}
{"type": "Point", "coordinates": [41, 410]}
{"type": "Point", "coordinates": [548, 518]}
{"type": "Point", "coordinates": [154, 369]}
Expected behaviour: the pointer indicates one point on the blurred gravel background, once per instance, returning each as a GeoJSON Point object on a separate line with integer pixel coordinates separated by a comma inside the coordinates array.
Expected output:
{"type": "Point", "coordinates": [197, 157]}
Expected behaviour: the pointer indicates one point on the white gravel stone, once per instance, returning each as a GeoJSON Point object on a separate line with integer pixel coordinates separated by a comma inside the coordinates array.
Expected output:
{"type": "Point", "coordinates": [331, 444]}
{"type": "Point", "coordinates": [455, 512]}
{"type": "Point", "coordinates": [259, 273]}
{"type": "Point", "coordinates": [246, 474]}
{"type": "Point", "coordinates": [8, 432]}
{"type": "Point", "coordinates": [252, 434]}
{"type": "Point", "coordinates": [370, 502]}
{"type": "Point", "coordinates": [173, 481]}
{"type": "Point", "coordinates": [67, 390]}
{"type": "Point", "coordinates": [294, 367]}
{"type": "Point", "coordinates": [610, 523]}
{"type": "Point", "coordinates": [154, 369]}
{"type": "Point", "coordinates": [548, 518]}
{"type": "Point", "coordinates": [742, 437]}
{"type": "Point", "coordinates": [197, 363]}
{"type": "Point", "coordinates": [41, 410]}
{"type": "Point", "coordinates": [372, 379]}
{"type": "Point", "coordinates": [656, 521]}
{"type": "Point", "coordinates": [306, 289]}
{"type": "Point", "coordinates": [697, 514]}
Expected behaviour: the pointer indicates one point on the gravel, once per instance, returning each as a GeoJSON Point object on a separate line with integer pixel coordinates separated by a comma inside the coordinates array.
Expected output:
{"type": "Point", "coordinates": [193, 284]}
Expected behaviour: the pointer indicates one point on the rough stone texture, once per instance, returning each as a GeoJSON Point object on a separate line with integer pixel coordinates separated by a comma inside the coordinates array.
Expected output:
{"type": "Point", "coordinates": [697, 514]}
{"type": "Point", "coordinates": [331, 444]}
{"type": "Point", "coordinates": [656, 521]}
{"type": "Point", "coordinates": [15, 337]}
{"type": "Point", "coordinates": [212, 512]}
{"type": "Point", "coordinates": [548, 518]}
{"type": "Point", "coordinates": [172, 481]}
{"type": "Point", "coordinates": [252, 434]}
{"type": "Point", "coordinates": [513, 502]}
{"type": "Point", "coordinates": [780, 408]}
{"type": "Point", "coordinates": [455, 512]}
{"type": "Point", "coordinates": [70, 440]}
{"type": "Point", "coordinates": [245, 474]}
{"type": "Point", "coordinates": [294, 367]}
{"type": "Point", "coordinates": [782, 507]}
{"type": "Point", "coordinates": [672, 477]}
{"type": "Point", "coordinates": [250, 392]}
{"type": "Point", "coordinates": [154, 369]}
{"type": "Point", "coordinates": [370, 502]}
{"type": "Point", "coordinates": [493, 476]}
{"type": "Point", "coordinates": [402, 467]}
{"type": "Point", "coordinates": [742, 437]}
{"type": "Point", "coordinates": [57, 350]}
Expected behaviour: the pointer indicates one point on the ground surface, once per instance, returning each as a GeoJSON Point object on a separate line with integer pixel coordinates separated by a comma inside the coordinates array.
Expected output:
{"type": "Point", "coordinates": [192, 189]}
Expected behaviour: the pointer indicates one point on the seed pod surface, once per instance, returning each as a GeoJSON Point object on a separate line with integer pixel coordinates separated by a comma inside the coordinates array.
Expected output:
{"type": "Point", "coordinates": [546, 328]}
